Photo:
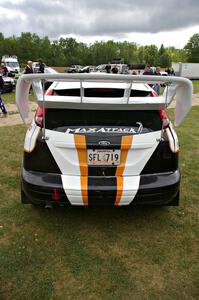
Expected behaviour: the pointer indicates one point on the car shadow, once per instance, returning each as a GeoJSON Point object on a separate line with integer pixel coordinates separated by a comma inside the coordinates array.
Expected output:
{"type": "Point", "coordinates": [101, 217]}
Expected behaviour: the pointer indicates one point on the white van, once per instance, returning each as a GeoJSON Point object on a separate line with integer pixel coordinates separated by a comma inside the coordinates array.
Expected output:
{"type": "Point", "coordinates": [11, 63]}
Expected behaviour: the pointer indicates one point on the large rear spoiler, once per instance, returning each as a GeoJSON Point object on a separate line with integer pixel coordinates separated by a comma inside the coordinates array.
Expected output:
{"type": "Point", "coordinates": [178, 87]}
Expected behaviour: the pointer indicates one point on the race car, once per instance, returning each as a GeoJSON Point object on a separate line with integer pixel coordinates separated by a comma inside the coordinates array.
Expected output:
{"type": "Point", "coordinates": [101, 139]}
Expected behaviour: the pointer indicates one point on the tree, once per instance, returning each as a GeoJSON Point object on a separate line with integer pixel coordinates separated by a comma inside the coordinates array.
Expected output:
{"type": "Point", "coordinates": [165, 61]}
{"type": "Point", "coordinates": [67, 51]}
{"type": "Point", "coordinates": [177, 55]}
{"type": "Point", "coordinates": [2, 45]}
{"type": "Point", "coordinates": [162, 50]}
{"type": "Point", "coordinates": [151, 55]}
{"type": "Point", "coordinates": [192, 49]}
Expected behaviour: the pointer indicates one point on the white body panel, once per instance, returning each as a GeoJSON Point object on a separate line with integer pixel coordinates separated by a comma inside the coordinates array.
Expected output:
{"type": "Point", "coordinates": [142, 148]}
{"type": "Point", "coordinates": [62, 147]}
{"type": "Point", "coordinates": [72, 188]}
{"type": "Point", "coordinates": [130, 188]}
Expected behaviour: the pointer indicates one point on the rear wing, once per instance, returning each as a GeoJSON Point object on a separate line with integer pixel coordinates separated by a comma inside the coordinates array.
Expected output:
{"type": "Point", "coordinates": [175, 87]}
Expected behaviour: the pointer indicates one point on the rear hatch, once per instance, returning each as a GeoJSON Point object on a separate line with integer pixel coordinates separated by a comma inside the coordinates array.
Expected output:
{"type": "Point", "coordinates": [103, 138]}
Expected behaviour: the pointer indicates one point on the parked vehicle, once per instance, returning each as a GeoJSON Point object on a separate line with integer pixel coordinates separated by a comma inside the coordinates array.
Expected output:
{"type": "Point", "coordinates": [122, 68]}
{"type": "Point", "coordinates": [73, 69]}
{"type": "Point", "coordinates": [87, 69]}
{"type": "Point", "coordinates": [35, 67]}
{"type": "Point", "coordinates": [163, 73]}
{"type": "Point", "coordinates": [101, 68]}
{"type": "Point", "coordinates": [187, 70]}
{"type": "Point", "coordinates": [101, 139]}
{"type": "Point", "coordinates": [9, 84]}
{"type": "Point", "coordinates": [12, 64]}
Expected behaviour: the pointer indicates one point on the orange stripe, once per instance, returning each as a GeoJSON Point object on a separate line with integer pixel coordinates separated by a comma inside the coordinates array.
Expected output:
{"type": "Point", "coordinates": [80, 144]}
{"type": "Point", "coordinates": [119, 190]}
{"type": "Point", "coordinates": [84, 187]}
{"type": "Point", "coordinates": [125, 146]}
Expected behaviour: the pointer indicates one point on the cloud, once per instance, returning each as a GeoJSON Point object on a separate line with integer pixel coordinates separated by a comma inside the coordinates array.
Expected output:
{"type": "Point", "coordinates": [54, 18]}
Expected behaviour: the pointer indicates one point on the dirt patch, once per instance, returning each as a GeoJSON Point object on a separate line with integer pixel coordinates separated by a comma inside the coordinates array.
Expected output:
{"type": "Point", "coordinates": [14, 118]}
{"type": "Point", "coordinates": [195, 101]}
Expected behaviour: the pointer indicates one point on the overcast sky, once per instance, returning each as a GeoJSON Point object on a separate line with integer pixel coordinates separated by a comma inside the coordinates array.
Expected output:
{"type": "Point", "coordinates": [140, 21]}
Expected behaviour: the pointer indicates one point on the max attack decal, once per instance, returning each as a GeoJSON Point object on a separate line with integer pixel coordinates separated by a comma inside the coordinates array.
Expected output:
{"type": "Point", "coordinates": [129, 130]}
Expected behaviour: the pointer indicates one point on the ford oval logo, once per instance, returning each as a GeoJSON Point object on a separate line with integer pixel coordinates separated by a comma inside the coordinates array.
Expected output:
{"type": "Point", "coordinates": [104, 143]}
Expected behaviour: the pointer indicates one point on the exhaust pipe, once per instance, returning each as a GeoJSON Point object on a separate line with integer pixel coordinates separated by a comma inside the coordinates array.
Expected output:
{"type": "Point", "coordinates": [48, 205]}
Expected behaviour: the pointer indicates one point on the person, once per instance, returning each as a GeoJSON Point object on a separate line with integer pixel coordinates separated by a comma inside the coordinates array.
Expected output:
{"type": "Point", "coordinates": [28, 68]}
{"type": "Point", "coordinates": [4, 69]}
{"type": "Point", "coordinates": [108, 69]}
{"type": "Point", "coordinates": [157, 71]}
{"type": "Point", "coordinates": [41, 66]}
{"type": "Point", "coordinates": [168, 71]}
{"type": "Point", "coordinates": [172, 72]}
{"type": "Point", "coordinates": [147, 70]}
{"type": "Point", "coordinates": [156, 87]}
{"type": "Point", "coordinates": [2, 106]}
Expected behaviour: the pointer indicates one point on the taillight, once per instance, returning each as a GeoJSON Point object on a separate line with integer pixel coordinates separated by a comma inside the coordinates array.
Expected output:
{"type": "Point", "coordinates": [154, 94]}
{"type": "Point", "coordinates": [49, 92]}
{"type": "Point", "coordinates": [164, 118]}
{"type": "Point", "coordinates": [39, 115]}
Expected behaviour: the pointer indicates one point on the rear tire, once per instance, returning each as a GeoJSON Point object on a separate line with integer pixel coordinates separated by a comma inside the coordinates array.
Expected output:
{"type": "Point", "coordinates": [24, 199]}
{"type": "Point", "coordinates": [175, 201]}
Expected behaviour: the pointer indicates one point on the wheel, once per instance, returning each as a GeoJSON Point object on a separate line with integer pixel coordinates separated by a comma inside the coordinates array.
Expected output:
{"type": "Point", "coordinates": [24, 199]}
{"type": "Point", "coordinates": [175, 201]}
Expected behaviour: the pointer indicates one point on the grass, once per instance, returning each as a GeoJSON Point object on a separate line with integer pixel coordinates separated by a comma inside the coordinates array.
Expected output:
{"type": "Point", "coordinates": [77, 253]}
{"type": "Point", "coordinates": [196, 86]}
{"type": "Point", "coordinates": [60, 69]}
{"type": "Point", "coordinates": [10, 97]}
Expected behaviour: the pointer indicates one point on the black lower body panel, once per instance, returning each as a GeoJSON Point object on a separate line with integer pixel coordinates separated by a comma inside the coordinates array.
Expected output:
{"type": "Point", "coordinates": [154, 189]}
{"type": "Point", "coordinates": [158, 189]}
{"type": "Point", "coordinates": [42, 188]}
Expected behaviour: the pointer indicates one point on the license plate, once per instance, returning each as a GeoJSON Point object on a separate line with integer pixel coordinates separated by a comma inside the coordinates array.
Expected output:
{"type": "Point", "coordinates": [103, 157]}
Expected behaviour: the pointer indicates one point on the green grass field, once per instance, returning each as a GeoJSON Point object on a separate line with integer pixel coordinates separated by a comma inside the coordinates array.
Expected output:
{"type": "Point", "coordinates": [101, 253]}
{"type": "Point", "coordinates": [196, 86]}
{"type": "Point", "coordinates": [10, 97]}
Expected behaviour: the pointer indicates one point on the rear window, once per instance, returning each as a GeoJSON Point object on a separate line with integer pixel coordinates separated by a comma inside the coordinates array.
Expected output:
{"type": "Point", "coordinates": [100, 92]}
{"type": "Point", "coordinates": [61, 119]}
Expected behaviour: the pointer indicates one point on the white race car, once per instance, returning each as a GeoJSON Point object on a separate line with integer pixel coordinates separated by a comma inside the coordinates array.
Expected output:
{"type": "Point", "coordinates": [101, 139]}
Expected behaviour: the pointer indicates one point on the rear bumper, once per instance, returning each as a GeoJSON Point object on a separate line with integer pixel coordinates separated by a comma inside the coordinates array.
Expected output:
{"type": "Point", "coordinates": [158, 189]}
{"type": "Point", "coordinates": [154, 189]}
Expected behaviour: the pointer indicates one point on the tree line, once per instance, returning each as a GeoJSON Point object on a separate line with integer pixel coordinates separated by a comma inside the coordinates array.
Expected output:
{"type": "Point", "coordinates": [68, 51]}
